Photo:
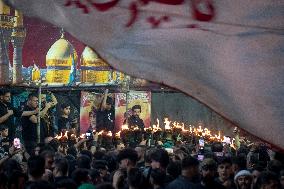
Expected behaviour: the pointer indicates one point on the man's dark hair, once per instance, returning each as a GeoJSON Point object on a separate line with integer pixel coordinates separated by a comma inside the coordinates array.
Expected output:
{"type": "Point", "coordinates": [72, 151]}
{"type": "Point", "coordinates": [128, 153]}
{"type": "Point", "coordinates": [31, 95]}
{"type": "Point", "coordinates": [62, 165]}
{"type": "Point", "coordinates": [158, 176]}
{"type": "Point", "coordinates": [134, 178]}
{"type": "Point", "coordinates": [188, 162]}
{"type": "Point", "coordinates": [174, 169]}
{"type": "Point", "coordinates": [3, 127]}
{"type": "Point", "coordinates": [217, 147]}
{"type": "Point", "coordinates": [161, 156]}
{"type": "Point", "coordinates": [223, 160]}
{"type": "Point", "coordinates": [36, 166]}
{"type": "Point", "coordinates": [64, 105]}
{"type": "Point", "coordinates": [98, 155]}
{"type": "Point", "coordinates": [54, 143]}
{"type": "Point", "coordinates": [47, 153]}
{"type": "Point", "coordinates": [265, 178]}
{"type": "Point", "coordinates": [80, 176]}
{"type": "Point", "coordinates": [84, 161]}
{"type": "Point", "coordinates": [240, 161]}
{"type": "Point", "coordinates": [136, 107]}
{"type": "Point", "coordinates": [4, 91]}
{"type": "Point", "coordinates": [109, 100]}
{"type": "Point", "coordinates": [87, 153]}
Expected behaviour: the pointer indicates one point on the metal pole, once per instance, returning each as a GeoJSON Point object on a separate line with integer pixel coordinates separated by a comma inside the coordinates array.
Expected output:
{"type": "Point", "coordinates": [38, 115]}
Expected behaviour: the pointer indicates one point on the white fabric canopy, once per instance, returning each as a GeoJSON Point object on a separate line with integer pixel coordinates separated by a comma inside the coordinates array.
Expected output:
{"type": "Point", "coordinates": [227, 54]}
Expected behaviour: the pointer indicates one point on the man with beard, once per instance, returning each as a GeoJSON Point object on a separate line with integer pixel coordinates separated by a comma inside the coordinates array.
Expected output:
{"type": "Point", "coordinates": [208, 170]}
{"type": "Point", "coordinates": [8, 112]}
{"type": "Point", "coordinates": [29, 124]}
{"type": "Point", "coordinates": [243, 180]}
{"type": "Point", "coordinates": [134, 120]}
{"type": "Point", "coordinates": [47, 115]}
{"type": "Point", "coordinates": [105, 114]}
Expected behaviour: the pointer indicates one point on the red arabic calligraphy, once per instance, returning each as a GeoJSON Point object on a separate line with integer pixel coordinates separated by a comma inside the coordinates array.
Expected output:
{"type": "Point", "coordinates": [103, 6]}
{"type": "Point", "coordinates": [156, 22]}
{"type": "Point", "coordinates": [196, 6]}
{"type": "Point", "coordinates": [198, 15]}
{"type": "Point", "coordinates": [78, 4]}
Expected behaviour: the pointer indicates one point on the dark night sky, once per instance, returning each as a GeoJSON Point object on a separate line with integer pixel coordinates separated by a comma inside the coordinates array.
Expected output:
{"type": "Point", "coordinates": [39, 38]}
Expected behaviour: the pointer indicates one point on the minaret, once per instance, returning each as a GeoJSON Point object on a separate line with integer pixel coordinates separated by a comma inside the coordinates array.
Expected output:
{"type": "Point", "coordinates": [18, 38]}
{"type": "Point", "coordinates": [6, 25]}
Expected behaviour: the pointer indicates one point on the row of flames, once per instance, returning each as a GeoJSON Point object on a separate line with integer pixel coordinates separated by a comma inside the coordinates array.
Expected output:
{"type": "Point", "coordinates": [168, 126]}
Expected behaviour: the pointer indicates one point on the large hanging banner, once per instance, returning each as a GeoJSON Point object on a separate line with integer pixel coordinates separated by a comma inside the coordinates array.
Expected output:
{"type": "Point", "coordinates": [125, 101]}
{"type": "Point", "coordinates": [90, 103]}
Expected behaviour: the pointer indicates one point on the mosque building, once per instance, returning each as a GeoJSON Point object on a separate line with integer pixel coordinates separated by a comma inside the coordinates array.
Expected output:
{"type": "Point", "coordinates": [61, 58]}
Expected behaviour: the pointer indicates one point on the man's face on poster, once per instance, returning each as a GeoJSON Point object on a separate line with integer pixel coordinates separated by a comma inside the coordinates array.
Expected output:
{"type": "Point", "coordinates": [136, 112]}
{"type": "Point", "coordinates": [108, 106]}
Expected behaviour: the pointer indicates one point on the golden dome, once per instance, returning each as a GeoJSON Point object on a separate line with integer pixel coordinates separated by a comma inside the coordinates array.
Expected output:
{"type": "Point", "coordinates": [93, 68]}
{"type": "Point", "coordinates": [89, 55]}
{"type": "Point", "coordinates": [60, 53]}
{"type": "Point", "coordinates": [90, 58]}
{"type": "Point", "coordinates": [59, 60]}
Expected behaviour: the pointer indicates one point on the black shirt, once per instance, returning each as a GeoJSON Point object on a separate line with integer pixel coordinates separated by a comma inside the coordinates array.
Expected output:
{"type": "Point", "coordinates": [105, 120]}
{"type": "Point", "coordinates": [134, 121]}
{"type": "Point", "coordinates": [181, 183]}
{"type": "Point", "coordinates": [29, 131]}
{"type": "Point", "coordinates": [63, 123]}
{"type": "Point", "coordinates": [4, 107]}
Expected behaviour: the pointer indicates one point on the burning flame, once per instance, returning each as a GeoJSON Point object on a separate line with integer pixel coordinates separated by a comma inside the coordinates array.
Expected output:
{"type": "Point", "coordinates": [124, 127]}
{"type": "Point", "coordinates": [167, 124]}
{"type": "Point", "coordinates": [109, 134]}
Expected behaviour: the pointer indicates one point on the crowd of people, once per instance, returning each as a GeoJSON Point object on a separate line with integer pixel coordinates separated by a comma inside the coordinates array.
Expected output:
{"type": "Point", "coordinates": [88, 163]}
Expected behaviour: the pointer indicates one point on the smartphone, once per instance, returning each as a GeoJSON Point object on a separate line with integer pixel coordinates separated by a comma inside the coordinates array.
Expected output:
{"type": "Point", "coordinates": [89, 135]}
{"type": "Point", "coordinates": [200, 157]}
{"type": "Point", "coordinates": [17, 143]}
{"type": "Point", "coordinates": [201, 143]}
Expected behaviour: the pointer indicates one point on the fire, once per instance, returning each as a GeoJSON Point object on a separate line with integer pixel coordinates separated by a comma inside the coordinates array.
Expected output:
{"type": "Point", "coordinates": [101, 132]}
{"type": "Point", "coordinates": [109, 134]}
{"type": "Point", "coordinates": [124, 127]}
{"type": "Point", "coordinates": [82, 135]}
{"type": "Point", "coordinates": [167, 124]}
{"type": "Point", "coordinates": [117, 134]}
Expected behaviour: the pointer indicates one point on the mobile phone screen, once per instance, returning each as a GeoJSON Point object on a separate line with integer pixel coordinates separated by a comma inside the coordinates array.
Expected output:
{"type": "Point", "coordinates": [17, 143]}
{"type": "Point", "coordinates": [200, 157]}
{"type": "Point", "coordinates": [201, 142]}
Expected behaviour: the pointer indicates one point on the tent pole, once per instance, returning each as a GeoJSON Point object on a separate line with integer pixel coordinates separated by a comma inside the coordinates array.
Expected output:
{"type": "Point", "coordinates": [38, 115]}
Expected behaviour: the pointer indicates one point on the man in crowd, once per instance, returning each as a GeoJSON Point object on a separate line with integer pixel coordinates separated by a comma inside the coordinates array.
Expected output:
{"type": "Point", "coordinates": [29, 124]}
{"type": "Point", "coordinates": [105, 115]}
{"type": "Point", "coordinates": [8, 112]}
{"type": "Point", "coordinates": [243, 180]}
{"type": "Point", "coordinates": [188, 175]}
{"type": "Point", "coordinates": [64, 122]}
{"type": "Point", "coordinates": [46, 114]}
{"type": "Point", "coordinates": [224, 172]}
{"type": "Point", "coordinates": [134, 120]}
{"type": "Point", "coordinates": [208, 170]}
